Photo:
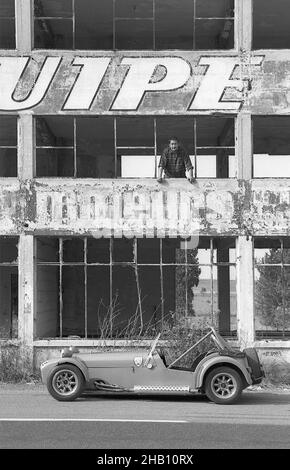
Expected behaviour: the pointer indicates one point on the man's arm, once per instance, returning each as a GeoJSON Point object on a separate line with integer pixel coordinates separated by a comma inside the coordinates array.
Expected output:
{"type": "Point", "coordinates": [189, 167]}
{"type": "Point", "coordinates": [161, 166]}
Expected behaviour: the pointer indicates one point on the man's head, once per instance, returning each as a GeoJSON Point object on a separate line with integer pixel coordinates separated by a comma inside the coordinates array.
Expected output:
{"type": "Point", "coordinates": [173, 143]}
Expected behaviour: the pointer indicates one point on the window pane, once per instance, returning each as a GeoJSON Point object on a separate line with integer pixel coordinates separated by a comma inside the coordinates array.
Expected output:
{"type": "Point", "coordinates": [122, 250]}
{"type": "Point", "coordinates": [132, 34]}
{"type": "Point", "coordinates": [172, 251]}
{"type": "Point", "coordinates": [7, 34]}
{"type": "Point", "coordinates": [174, 24]}
{"type": "Point", "coordinates": [54, 162]}
{"type": "Point", "coordinates": [214, 34]}
{"type": "Point", "coordinates": [268, 297]}
{"type": "Point", "coordinates": [214, 8]}
{"type": "Point", "coordinates": [271, 146]}
{"type": "Point", "coordinates": [215, 132]}
{"type": "Point", "coordinates": [216, 163]}
{"type": "Point", "coordinates": [148, 251]}
{"type": "Point", "coordinates": [94, 24]}
{"type": "Point", "coordinates": [98, 301]}
{"type": "Point", "coordinates": [95, 147]}
{"type": "Point", "coordinates": [150, 293]}
{"type": "Point", "coordinates": [224, 250]}
{"type": "Point", "coordinates": [8, 162]}
{"type": "Point", "coordinates": [135, 132]}
{"type": "Point", "coordinates": [54, 131]}
{"type": "Point", "coordinates": [47, 294]}
{"type": "Point", "coordinates": [8, 249]}
{"type": "Point", "coordinates": [204, 297]}
{"type": "Point", "coordinates": [8, 130]}
{"type": "Point", "coordinates": [53, 34]}
{"type": "Point", "coordinates": [267, 251]}
{"type": "Point", "coordinates": [125, 301]}
{"type": "Point", "coordinates": [98, 250]}
{"type": "Point", "coordinates": [73, 296]}
{"type": "Point", "coordinates": [47, 249]}
{"type": "Point", "coordinates": [271, 24]}
{"type": "Point", "coordinates": [137, 166]}
{"type": "Point", "coordinates": [73, 250]}
{"type": "Point", "coordinates": [62, 8]}
{"type": "Point", "coordinates": [134, 9]}
{"type": "Point", "coordinates": [7, 8]}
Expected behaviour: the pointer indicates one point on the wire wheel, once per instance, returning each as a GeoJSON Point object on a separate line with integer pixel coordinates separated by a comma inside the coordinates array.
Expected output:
{"type": "Point", "coordinates": [223, 385]}
{"type": "Point", "coordinates": [65, 382]}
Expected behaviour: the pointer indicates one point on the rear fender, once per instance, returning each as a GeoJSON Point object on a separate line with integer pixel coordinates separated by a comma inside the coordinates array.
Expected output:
{"type": "Point", "coordinates": [203, 368]}
{"type": "Point", "coordinates": [76, 362]}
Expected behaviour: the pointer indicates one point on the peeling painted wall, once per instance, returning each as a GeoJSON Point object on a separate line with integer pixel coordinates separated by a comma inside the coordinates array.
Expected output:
{"type": "Point", "coordinates": [144, 208]}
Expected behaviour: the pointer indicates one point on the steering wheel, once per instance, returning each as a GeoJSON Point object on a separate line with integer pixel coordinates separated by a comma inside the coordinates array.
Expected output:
{"type": "Point", "coordinates": [153, 346]}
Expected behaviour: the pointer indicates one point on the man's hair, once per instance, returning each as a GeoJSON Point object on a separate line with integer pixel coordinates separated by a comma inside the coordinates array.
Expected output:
{"type": "Point", "coordinates": [173, 138]}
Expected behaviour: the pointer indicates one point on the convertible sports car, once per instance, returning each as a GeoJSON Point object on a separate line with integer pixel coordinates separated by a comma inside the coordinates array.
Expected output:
{"type": "Point", "coordinates": [221, 373]}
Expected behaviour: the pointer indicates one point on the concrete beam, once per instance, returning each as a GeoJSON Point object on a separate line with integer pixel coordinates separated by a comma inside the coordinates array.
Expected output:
{"type": "Point", "coordinates": [244, 146]}
{"type": "Point", "coordinates": [26, 290]}
{"type": "Point", "coordinates": [25, 147]}
{"type": "Point", "coordinates": [24, 25]}
{"type": "Point", "coordinates": [243, 21]}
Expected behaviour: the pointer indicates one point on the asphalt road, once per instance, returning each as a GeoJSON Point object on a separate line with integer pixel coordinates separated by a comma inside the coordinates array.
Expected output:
{"type": "Point", "coordinates": [31, 419]}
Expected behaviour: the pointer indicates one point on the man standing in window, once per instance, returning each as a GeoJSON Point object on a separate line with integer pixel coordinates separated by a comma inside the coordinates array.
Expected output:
{"type": "Point", "coordinates": [174, 162]}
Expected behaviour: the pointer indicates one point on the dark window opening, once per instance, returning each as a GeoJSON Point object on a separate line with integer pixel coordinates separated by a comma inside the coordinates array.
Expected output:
{"type": "Point", "coordinates": [272, 287]}
{"type": "Point", "coordinates": [134, 25]}
{"type": "Point", "coordinates": [124, 287]}
{"type": "Point", "coordinates": [8, 146]}
{"type": "Point", "coordinates": [8, 287]}
{"type": "Point", "coordinates": [271, 24]}
{"type": "Point", "coordinates": [271, 151]}
{"type": "Point", "coordinates": [7, 24]}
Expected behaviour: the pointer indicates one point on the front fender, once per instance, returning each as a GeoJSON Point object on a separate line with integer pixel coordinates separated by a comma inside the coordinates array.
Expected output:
{"type": "Point", "coordinates": [218, 361]}
{"type": "Point", "coordinates": [76, 362]}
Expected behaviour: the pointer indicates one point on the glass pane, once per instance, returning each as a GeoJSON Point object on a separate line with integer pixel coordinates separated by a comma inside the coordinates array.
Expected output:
{"type": "Point", "coordinates": [271, 166]}
{"type": "Point", "coordinates": [271, 24]}
{"type": "Point", "coordinates": [215, 132]}
{"type": "Point", "coordinates": [224, 250]}
{"type": "Point", "coordinates": [98, 250]}
{"type": "Point", "coordinates": [95, 147]}
{"type": "Point", "coordinates": [134, 9]}
{"type": "Point", "coordinates": [122, 250]}
{"type": "Point", "coordinates": [142, 136]}
{"type": "Point", "coordinates": [8, 130]}
{"type": "Point", "coordinates": [180, 127]}
{"type": "Point", "coordinates": [226, 290]}
{"type": "Point", "coordinates": [94, 24]}
{"type": "Point", "coordinates": [54, 162]}
{"type": "Point", "coordinates": [7, 34]}
{"type": "Point", "coordinates": [148, 251]}
{"type": "Point", "coordinates": [73, 250]}
{"type": "Point", "coordinates": [286, 250]}
{"type": "Point", "coordinates": [54, 131]}
{"type": "Point", "coordinates": [284, 315]}
{"type": "Point", "coordinates": [214, 34]}
{"type": "Point", "coordinates": [47, 249]}
{"type": "Point", "coordinates": [214, 8]}
{"type": "Point", "coordinates": [137, 166]}
{"type": "Point", "coordinates": [8, 249]}
{"type": "Point", "coordinates": [53, 34]}
{"type": "Point", "coordinates": [47, 290]}
{"type": "Point", "coordinates": [125, 311]}
{"type": "Point", "coordinates": [267, 251]}
{"type": "Point", "coordinates": [174, 24]}
{"type": "Point", "coordinates": [216, 163]}
{"type": "Point", "coordinates": [204, 298]}
{"type": "Point", "coordinates": [98, 301]}
{"type": "Point", "coordinates": [8, 162]}
{"type": "Point", "coordinates": [73, 297]}
{"type": "Point", "coordinates": [132, 34]}
{"type": "Point", "coordinates": [7, 8]}
{"type": "Point", "coordinates": [268, 297]}
{"type": "Point", "coordinates": [61, 8]}
{"type": "Point", "coordinates": [172, 251]}
{"type": "Point", "coordinates": [150, 294]}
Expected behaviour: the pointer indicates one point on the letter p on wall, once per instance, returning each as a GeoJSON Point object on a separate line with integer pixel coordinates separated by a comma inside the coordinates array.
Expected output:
{"type": "Point", "coordinates": [139, 79]}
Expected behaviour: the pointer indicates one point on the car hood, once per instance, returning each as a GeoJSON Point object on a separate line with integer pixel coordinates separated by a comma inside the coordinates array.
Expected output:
{"type": "Point", "coordinates": [112, 359]}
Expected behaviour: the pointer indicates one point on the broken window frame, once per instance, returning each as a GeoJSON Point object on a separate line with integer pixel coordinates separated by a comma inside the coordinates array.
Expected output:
{"type": "Point", "coordinates": [15, 147]}
{"type": "Point", "coordinates": [284, 332]}
{"type": "Point", "coordinates": [135, 264]}
{"type": "Point", "coordinates": [152, 18]}
{"type": "Point", "coordinates": [154, 148]}
{"type": "Point", "coordinates": [13, 263]}
{"type": "Point", "coordinates": [10, 19]}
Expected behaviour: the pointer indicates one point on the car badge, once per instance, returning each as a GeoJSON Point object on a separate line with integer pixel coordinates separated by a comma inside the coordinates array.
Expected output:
{"type": "Point", "coordinates": [138, 361]}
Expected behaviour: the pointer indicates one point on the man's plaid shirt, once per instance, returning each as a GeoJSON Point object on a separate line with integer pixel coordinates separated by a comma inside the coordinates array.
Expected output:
{"type": "Point", "coordinates": [175, 162]}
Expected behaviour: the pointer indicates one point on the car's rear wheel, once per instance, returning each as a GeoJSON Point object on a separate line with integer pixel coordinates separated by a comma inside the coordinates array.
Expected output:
{"type": "Point", "coordinates": [66, 382]}
{"type": "Point", "coordinates": [223, 385]}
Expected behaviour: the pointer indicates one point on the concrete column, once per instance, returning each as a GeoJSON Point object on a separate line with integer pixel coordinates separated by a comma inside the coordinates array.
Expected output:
{"type": "Point", "coordinates": [243, 21]}
{"type": "Point", "coordinates": [26, 290]}
{"type": "Point", "coordinates": [24, 11]}
{"type": "Point", "coordinates": [244, 145]}
{"type": "Point", "coordinates": [245, 291]}
{"type": "Point", "coordinates": [25, 147]}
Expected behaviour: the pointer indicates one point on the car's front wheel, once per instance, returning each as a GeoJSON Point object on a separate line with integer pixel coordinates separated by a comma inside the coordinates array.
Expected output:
{"type": "Point", "coordinates": [223, 385]}
{"type": "Point", "coordinates": [66, 382]}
